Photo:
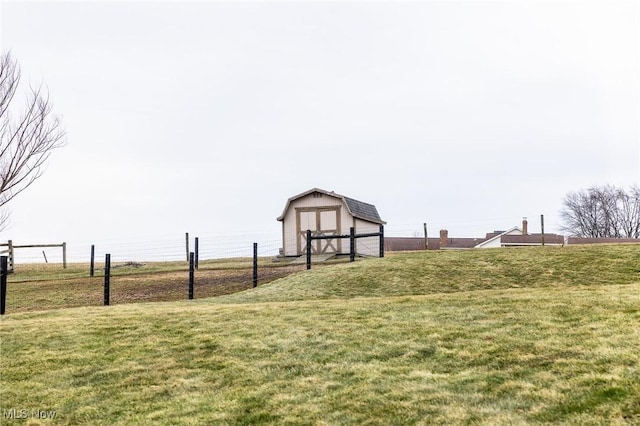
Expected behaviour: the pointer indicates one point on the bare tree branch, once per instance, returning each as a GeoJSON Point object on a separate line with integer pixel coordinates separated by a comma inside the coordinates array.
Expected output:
{"type": "Point", "coordinates": [602, 212]}
{"type": "Point", "coordinates": [27, 142]}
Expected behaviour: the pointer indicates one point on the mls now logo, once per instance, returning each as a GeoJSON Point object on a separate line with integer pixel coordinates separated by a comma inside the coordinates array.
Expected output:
{"type": "Point", "coordinates": [22, 414]}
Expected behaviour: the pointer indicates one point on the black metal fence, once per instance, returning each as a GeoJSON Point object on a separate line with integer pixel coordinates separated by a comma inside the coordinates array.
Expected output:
{"type": "Point", "coordinates": [352, 236]}
{"type": "Point", "coordinates": [4, 271]}
{"type": "Point", "coordinates": [132, 282]}
{"type": "Point", "coordinates": [122, 283]}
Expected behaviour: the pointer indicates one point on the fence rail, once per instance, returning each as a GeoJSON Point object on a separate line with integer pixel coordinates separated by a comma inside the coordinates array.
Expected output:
{"type": "Point", "coordinates": [12, 247]}
{"type": "Point", "coordinates": [352, 236]}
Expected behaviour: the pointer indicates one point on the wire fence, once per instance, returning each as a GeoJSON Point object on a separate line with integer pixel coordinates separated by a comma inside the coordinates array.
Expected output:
{"type": "Point", "coordinates": [172, 247]}
{"type": "Point", "coordinates": [143, 272]}
{"type": "Point", "coordinates": [167, 250]}
{"type": "Point", "coordinates": [161, 250]}
{"type": "Point", "coordinates": [43, 287]}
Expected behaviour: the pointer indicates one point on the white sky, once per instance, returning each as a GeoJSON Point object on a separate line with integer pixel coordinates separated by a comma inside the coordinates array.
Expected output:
{"type": "Point", "coordinates": [206, 116]}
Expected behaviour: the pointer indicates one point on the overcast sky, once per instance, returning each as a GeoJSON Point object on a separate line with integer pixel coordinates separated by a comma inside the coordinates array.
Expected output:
{"type": "Point", "coordinates": [206, 116]}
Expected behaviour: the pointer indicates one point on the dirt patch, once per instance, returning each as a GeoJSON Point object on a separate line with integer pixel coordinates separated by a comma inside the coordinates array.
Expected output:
{"type": "Point", "coordinates": [136, 287]}
{"type": "Point", "coordinates": [128, 265]}
{"type": "Point", "coordinates": [175, 285]}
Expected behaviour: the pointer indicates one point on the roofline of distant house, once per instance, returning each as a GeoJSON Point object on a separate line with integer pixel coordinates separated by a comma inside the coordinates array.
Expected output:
{"type": "Point", "coordinates": [551, 239]}
{"type": "Point", "coordinates": [515, 228]}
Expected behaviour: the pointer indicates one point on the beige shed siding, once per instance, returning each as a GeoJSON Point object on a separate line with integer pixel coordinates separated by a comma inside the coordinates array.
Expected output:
{"type": "Point", "coordinates": [290, 231]}
{"type": "Point", "coordinates": [346, 221]}
{"type": "Point", "coordinates": [328, 219]}
{"type": "Point", "coordinates": [369, 246]}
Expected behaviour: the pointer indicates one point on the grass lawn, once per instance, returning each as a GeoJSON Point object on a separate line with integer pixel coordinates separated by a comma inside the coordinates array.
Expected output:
{"type": "Point", "coordinates": [525, 336]}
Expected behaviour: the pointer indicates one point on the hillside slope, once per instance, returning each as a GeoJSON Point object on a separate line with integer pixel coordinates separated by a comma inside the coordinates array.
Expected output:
{"type": "Point", "coordinates": [421, 273]}
{"type": "Point", "coordinates": [454, 338]}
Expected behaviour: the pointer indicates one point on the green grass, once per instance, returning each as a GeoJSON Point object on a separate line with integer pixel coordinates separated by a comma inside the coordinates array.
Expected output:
{"type": "Point", "coordinates": [434, 272]}
{"type": "Point", "coordinates": [523, 336]}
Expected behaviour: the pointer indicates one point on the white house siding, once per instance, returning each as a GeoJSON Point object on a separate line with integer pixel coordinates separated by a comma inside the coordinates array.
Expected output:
{"type": "Point", "coordinates": [496, 241]}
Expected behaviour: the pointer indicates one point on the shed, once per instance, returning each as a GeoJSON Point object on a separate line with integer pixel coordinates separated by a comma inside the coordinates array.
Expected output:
{"type": "Point", "coordinates": [326, 213]}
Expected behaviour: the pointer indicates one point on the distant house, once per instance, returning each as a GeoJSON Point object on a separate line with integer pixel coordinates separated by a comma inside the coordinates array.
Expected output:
{"type": "Point", "coordinates": [513, 237]}
{"type": "Point", "coordinates": [444, 242]}
{"type": "Point", "coordinates": [520, 237]}
{"type": "Point", "coordinates": [327, 213]}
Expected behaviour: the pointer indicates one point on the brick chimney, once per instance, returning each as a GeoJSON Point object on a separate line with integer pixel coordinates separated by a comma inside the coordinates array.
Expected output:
{"type": "Point", "coordinates": [524, 226]}
{"type": "Point", "coordinates": [444, 237]}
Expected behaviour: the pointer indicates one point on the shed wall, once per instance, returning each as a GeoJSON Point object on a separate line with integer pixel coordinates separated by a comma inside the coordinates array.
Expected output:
{"type": "Point", "coordinates": [368, 246]}
{"type": "Point", "coordinates": [290, 226]}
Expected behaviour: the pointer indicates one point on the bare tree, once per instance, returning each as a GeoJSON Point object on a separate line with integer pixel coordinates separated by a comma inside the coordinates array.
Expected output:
{"type": "Point", "coordinates": [603, 212]}
{"type": "Point", "coordinates": [629, 212]}
{"type": "Point", "coordinates": [26, 142]}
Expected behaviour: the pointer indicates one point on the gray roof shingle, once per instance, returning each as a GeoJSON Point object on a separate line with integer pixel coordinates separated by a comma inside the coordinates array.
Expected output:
{"type": "Point", "coordinates": [363, 210]}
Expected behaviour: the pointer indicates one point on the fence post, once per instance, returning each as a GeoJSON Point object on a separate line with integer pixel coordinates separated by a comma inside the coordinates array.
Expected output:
{"type": "Point", "coordinates": [11, 260]}
{"type": "Point", "coordinates": [308, 249]}
{"type": "Point", "coordinates": [191, 274]}
{"type": "Point", "coordinates": [426, 238]}
{"type": "Point", "coordinates": [381, 240]}
{"type": "Point", "coordinates": [196, 250]}
{"type": "Point", "coordinates": [107, 275]}
{"type": "Point", "coordinates": [186, 238]}
{"type": "Point", "coordinates": [93, 261]}
{"type": "Point", "coordinates": [255, 265]}
{"type": "Point", "coordinates": [352, 244]}
{"type": "Point", "coordinates": [3, 283]}
{"type": "Point", "coordinates": [64, 255]}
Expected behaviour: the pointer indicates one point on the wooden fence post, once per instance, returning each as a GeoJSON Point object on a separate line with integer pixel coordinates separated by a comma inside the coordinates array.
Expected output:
{"type": "Point", "coordinates": [11, 260]}
{"type": "Point", "coordinates": [3, 283]}
{"type": "Point", "coordinates": [191, 274]}
{"type": "Point", "coordinates": [107, 275]}
{"type": "Point", "coordinates": [186, 238]}
{"type": "Point", "coordinates": [64, 255]}
{"type": "Point", "coordinates": [255, 265]}
{"type": "Point", "coordinates": [426, 238]}
{"type": "Point", "coordinates": [381, 240]}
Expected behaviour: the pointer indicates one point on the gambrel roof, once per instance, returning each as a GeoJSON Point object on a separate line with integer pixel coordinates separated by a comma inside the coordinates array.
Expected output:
{"type": "Point", "coordinates": [357, 209]}
{"type": "Point", "coordinates": [362, 210]}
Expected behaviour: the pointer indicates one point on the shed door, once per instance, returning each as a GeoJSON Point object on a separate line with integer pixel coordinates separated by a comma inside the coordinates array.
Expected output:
{"type": "Point", "coordinates": [320, 221]}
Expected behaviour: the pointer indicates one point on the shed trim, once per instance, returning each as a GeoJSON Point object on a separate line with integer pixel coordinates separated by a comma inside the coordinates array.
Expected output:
{"type": "Point", "coordinates": [357, 209]}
